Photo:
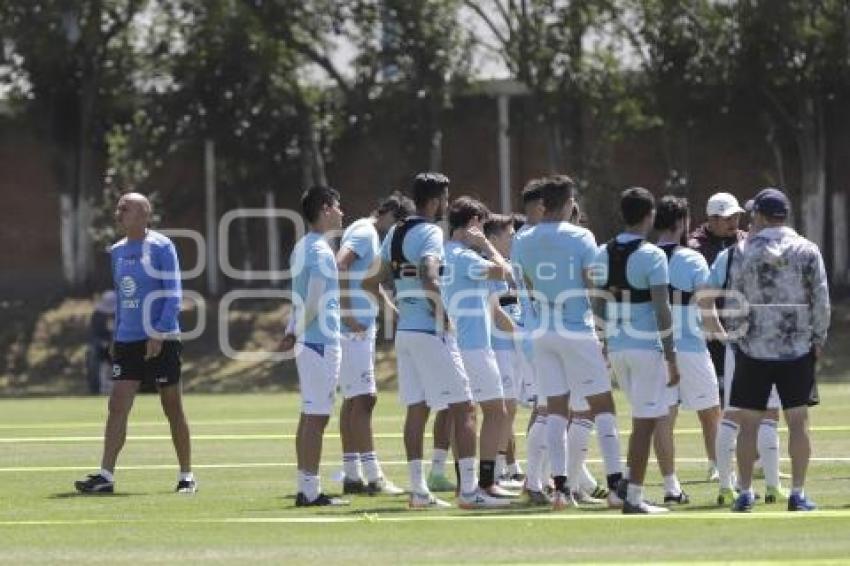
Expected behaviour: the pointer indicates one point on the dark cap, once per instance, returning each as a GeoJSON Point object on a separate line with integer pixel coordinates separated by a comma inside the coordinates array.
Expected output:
{"type": "Point", "coordinates": [770, 202]}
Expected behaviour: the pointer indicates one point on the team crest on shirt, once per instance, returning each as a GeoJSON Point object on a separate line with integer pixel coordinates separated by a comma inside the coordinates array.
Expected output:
{"type": "Point", "coordinates": [116, 370]}
{"type": "Point", "coordinates": [128, 286]}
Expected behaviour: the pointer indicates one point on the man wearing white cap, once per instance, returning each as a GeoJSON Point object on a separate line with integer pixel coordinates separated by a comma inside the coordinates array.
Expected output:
{"type": "Point", "coordinates": [712, 237]}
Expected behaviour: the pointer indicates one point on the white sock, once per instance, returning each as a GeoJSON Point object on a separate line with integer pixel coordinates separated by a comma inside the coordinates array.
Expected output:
{"type": "Point", "coordinates": [501, 465]}
{"type": "Point", "coordinates": [672, 485]}
{"type": "Point", "coordinates": [107, 474]}
{"type": "Point", "coordinates": [586, 479]}
{"type": "Point", "coordinates": [727, 440]}
{"type": "Point", "coordinates": [417, 480]}
{"type": "Point", "coordinates": [515, 468]}
{"type": "Point", "coordinates": [797, 491]}
{"type": "Point", "coordinates": [578, 436]}
{"type": "Point", "coordinates": [609, 442]}
{"type": "Point", "coordinates": [351, 465]}
{"type": "Point", "coordinates": [186, 476]}
{"type": "Point", "coordinates": [468, 478]}
{"type": "Point", "coordinates": [371, 466]}
{"type": "Point", "coordinates": [438, 461]}
{"type": "Point", "coordinates": [299, 480]}
{"type": "Point", "coordinates": [634, 494]}
{"type": "Point", "coordinates": [626, 472]}
{"type": "Point", "coordinates": [312, 489]}
{"type": "Point", "coordinates": [536, 452]}
{"type": "Point", "coordinates": [768, 446]}
{"type": "Point", "coordinates": [556, 439]}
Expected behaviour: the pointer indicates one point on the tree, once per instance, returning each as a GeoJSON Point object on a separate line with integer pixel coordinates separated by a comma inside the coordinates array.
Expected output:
{"type": "Point", "coordinates": [71, 72]}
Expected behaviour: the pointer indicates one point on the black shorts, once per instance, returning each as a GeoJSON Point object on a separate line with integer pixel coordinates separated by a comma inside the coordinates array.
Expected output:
{"type": "Point", "coordinates": [753, 379]}
{"type": "Point", "coordinates": [129, 363]}
{"type": "Point", "coordinates": [717, 351]}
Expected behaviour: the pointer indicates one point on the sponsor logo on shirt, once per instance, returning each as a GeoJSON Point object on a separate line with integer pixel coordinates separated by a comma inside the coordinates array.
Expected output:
{"type": "Point", "coordinates": [128, 289]}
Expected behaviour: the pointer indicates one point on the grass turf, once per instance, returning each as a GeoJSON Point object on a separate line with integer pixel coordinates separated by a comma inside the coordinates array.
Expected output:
{"type": "Point", "coordinates": [244, 456]}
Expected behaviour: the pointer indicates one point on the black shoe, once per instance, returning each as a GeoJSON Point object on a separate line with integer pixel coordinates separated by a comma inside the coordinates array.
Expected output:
{"type": "Point", "coordinates": [321, 501]}
{"type": "Point", "coordinates": [622, 488]}
{"type": "Point", "coordinates": [353, 486]}
{"type": "Point", "coordinates": [186, 486]}
{"type": "Point", "coordinates": [681, 498]}
{"type": "Point", "coordinates": [95, 483]}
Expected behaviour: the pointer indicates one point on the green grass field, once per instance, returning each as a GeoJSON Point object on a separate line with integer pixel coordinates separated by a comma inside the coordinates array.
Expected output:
{"type": "Point", "coordinates": [244, 461]}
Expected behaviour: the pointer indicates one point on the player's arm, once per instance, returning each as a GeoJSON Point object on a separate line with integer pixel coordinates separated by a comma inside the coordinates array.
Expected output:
{"type": "Point", "coordinates": [168, 265]}
{"type": "Point", "coordinates": [429, 274]}
{"type": "Point", "coordinates": [379, 271]}
{"type": "Point", "coordinates": [711, 326]}
{"type": "Point", "coordinates": [344, 259]}
{"type": "Point", "coordinates": [300, 319]}
{"type": "Point", "coordinates": [499, 269]}
{"type": "Point", "coordinates": [664, 318]}
{"type": "Point", "coordinates": [501, 319]}
{"type": "Point", "coordinates": [820, 305]}
{"type": "Point", "coordinates": [598, 305]}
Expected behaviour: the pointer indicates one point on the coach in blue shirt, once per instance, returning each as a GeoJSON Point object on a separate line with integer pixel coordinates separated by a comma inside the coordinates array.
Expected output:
{"type": "Point", "coordinates": [146, 345]}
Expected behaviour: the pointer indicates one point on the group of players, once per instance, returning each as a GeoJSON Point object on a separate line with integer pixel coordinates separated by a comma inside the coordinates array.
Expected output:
{"type": "Point", "coordinates": [528, 309]}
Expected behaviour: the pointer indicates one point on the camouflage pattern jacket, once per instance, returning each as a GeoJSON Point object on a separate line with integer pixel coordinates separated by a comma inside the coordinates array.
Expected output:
{"type": "Point", "coordinates": [782, 276]}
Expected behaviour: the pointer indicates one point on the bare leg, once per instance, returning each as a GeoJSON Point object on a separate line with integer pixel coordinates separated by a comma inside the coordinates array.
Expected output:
{"type": "Point", "coordinates": [120, 403]}
{"type": "Point", "coordinates": [171, 399]}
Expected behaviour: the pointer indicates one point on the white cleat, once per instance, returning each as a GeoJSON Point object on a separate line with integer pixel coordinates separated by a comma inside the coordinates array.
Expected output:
{"type": "Point", "coordinates": [480, 499]}
{"type": "Point", "coordinates": [581, 497]}
{"type": "Point", "coordinates": [500, 492]}
{"type": "Point", "coordinates": [614, 501]}
{"type": "Point", "coordinates": [713, 475]}
{"type": "Point", "coordinates": [644, 508]}
{"type": "Point", "coordinates": [426, 501]}
{"type": "Point", "coordinates": [561, 500]}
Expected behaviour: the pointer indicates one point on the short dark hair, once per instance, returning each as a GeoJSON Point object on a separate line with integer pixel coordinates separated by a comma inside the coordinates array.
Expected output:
{"type": "Point", "coordinates": [399, 205]}
{"type": "Point", "coordinates": [532, 191]}
{"type": "Point", "coordinates": [427, 186]}
{"type": "Point", "coordinates": [670, 210]}
{"type": "Point", "coordinates": [557, 190]}
{"type": "Point", "coordinates": [463, 209]}
{"type": "Point", "coordinates": [519, 221]}
{"type": "Point", "coordinates": [635, 204]}
{"type": "Point", "coordinates": [497, 223]}
{"type": "Point", "coordinates": [316, 197]}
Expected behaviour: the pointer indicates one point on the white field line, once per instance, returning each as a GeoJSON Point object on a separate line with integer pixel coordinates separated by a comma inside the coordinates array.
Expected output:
{"type": "Point", "coordinates": [247, 465]}
{"type": "Point", "coordinates": [420, 517]}
{"type": "Point", "coordinates": [385, 435]}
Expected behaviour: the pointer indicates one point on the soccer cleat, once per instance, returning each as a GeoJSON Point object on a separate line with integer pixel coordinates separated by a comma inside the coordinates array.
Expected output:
{"type": "Point", "coordinates": [353, 486]}
{"type": "Point", "coordinates": [561, 500]}
{"type": "Point", "coordinates": [622, 488]}
{"type": "Point", "coordinates": [384, 486]}
{"type": "Point", "coordinates": [500, 492]}
{"type": "Point", "coordinates": [680, 498]}
{"type": "Point", "coordinates": [186, 486]}
{"type": "Point", "coordinates": [439, 482]}
{"type": "Point", "coordinates": [426, 501]}
{"type": "Point", "coordinates": [774, 494]}
{"type": "Point", "coordinates": [800, 503]}
{"type": "Point", "coordinates": [712, 475]}
{"type": "Point", "coordinates": [598, 492]}
{"type": "Point", "coordinates": [538, 498]}
{"type": "Point", "coordinates": [744, 503]}
{"type": "Point", "coordinates": [94, 483]}
{"type": "Point", "coordinates": [725, 497]}
{"type": "Point", "coordinates": [321, 501]}
{"type": "Point", "coordinates": [614, 500]}
{"type": "Point", "coordinates": [480, 499]}
{"type": "Point", "coordinates": [581, 497]}
{"type": "Point", "coordinates": [643, 508]}
{"type": "Point", "coordinates": [508, 481]}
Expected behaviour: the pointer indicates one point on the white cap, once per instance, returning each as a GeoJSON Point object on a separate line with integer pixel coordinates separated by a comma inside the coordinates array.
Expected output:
{"type": "Point", "coordinates": [723, 204]}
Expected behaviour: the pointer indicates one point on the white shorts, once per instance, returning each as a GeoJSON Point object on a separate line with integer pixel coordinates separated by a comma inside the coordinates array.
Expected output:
{"type": "Point", "coordinates": [483, 372]}
{"type": "Point", "coordinates": [573, 365]}
{"type": "Point", "coordinates": [357, 370]}
{"type": "Point", "coordinates": [773, 402]}
{"type": "Point", "coordinates": [508, 362]}
{"type": "Point", "coordinates": [642, 375]}
{"type": "Point", "coordinates": [697, 389]}
{"type": "Point", "coordinates": [318, 373]}
{"type": "Point", "coordinates": [430, 370]}
{"type": "Point", "coordinates": [527, 395]}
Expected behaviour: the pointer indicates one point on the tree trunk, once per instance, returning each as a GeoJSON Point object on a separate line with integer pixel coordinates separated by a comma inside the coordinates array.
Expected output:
{"type": "Point", "coordinates": [67, 243]}
{"type": "Point", "coordinates": [840, 244]}
{"type": "Point", "coordinates": [312, 163]}
{"type": "Point", "coordinates": [811, 143]}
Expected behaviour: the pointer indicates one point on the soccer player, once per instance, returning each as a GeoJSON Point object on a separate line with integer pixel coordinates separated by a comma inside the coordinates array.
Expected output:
{"type": "Point", "coordinates": [636, 318]}
{"type": "Point", "coordinates": [430, 370]}
{"type": "Point", "coordinates": [359, 247]}
{"type": "Point", "coordinates": [555, 258]}
{"type": "Point", "coordinates": [466, 294]}
{"type": "Point", "coordinates": [499, 230]}
{"type": "Point", "coordinates": [782, 278]}
{"type": "Point", "coordinates": [314, 333]}
{"type": "Point", "coordinates": [146, 346]}
{"type": "Point", "coordinates": [693, 310]}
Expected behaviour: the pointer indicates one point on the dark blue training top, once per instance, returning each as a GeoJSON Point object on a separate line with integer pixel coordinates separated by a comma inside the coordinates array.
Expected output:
{"type": "Point", "coordinates": [140, 268]}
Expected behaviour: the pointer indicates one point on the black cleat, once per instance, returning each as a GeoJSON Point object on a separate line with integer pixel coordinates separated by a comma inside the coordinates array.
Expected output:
{"type": "Point", "coordinates": [94, 483]}
{"type": "Point", "coordinates": [353, 486]}
{"type": "Point", "coordinates": [321, 501]}
{"type": "Point", "coordinates": [186, 486]}
{"type": "Point", "coordinates": [680, 498]}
